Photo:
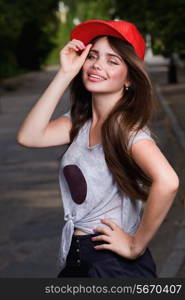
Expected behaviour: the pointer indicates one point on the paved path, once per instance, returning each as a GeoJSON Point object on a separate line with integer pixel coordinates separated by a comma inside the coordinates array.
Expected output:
{"type": "Point", "coordinates": [31, 213]}
{"type": "Point", "coordinates": [30, 208]}
{"type": "Point", "coordinates": [172, 102]}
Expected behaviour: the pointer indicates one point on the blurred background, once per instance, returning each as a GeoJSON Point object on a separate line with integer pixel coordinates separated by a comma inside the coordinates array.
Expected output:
{"type": "Point", "coordinates": [31, 35]}
{"type": "Point", "coordinates": [33, 32]}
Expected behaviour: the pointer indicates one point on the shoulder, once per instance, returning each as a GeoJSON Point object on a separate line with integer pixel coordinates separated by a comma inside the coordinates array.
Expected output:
{"type": "Point", "coordinates": [151, 160]}
{"type": "Point", "coordinates": [142, 134]}
{"type": "Point", "coordinates": [144, 151]}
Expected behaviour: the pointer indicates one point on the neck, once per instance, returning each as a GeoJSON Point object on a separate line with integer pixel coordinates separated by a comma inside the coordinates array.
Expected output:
{"type": "Point", "coordinates": [102, 104]}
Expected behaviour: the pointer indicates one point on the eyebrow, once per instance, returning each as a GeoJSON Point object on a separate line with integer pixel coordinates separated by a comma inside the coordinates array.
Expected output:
{"type": "Point", "coordinates": [108, 54]}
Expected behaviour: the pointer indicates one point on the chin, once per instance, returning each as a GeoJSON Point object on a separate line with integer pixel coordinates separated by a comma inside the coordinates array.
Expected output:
{"type": "Point", "coordinates": [96, 90]}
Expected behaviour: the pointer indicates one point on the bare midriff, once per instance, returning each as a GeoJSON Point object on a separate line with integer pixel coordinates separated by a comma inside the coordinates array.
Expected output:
{"type": "Point", "coordinates": [79, 232]}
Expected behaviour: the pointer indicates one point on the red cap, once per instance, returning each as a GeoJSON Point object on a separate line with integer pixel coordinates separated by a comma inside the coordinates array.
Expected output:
{"type": "Point", "coordinates": [88, 30]}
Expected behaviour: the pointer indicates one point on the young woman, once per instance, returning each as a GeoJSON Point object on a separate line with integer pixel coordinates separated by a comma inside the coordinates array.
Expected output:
{"type": "Point", "coordinates": [116, 185]}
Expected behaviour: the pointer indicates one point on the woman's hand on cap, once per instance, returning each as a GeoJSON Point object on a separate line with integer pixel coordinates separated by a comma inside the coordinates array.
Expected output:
{"type": "Point", "coordinates": [70, 59]}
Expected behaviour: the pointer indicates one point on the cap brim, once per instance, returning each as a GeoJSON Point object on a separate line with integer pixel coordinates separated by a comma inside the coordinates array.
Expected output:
{"type": "Point", "coordinates": [86, 31]}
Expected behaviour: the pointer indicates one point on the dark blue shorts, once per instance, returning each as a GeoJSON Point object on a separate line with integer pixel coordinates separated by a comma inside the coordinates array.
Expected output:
{"type": "Point", "coordinates": [85, 261]}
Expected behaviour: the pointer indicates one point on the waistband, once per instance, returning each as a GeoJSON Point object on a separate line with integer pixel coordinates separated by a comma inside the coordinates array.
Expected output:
{"type": "Point", "coordinates": [84, 236]}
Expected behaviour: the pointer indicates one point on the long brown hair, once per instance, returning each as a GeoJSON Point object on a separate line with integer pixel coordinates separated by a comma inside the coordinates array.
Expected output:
{"type": "Point", "coordinates": [131, 113]}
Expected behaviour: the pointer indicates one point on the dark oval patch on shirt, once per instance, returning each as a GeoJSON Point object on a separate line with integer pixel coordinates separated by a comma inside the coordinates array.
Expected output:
{"type": "Point", "coordinates": [76, 182]}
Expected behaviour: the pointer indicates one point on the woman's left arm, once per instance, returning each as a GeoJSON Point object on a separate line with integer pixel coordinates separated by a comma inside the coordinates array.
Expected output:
{"type": "Point", "coordinates": [164, 187]}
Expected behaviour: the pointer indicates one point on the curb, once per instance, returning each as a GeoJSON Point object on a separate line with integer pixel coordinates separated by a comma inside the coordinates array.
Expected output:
{"type": "Point", "coordinates": [175, 124]}
{"type": "Point", "coordinates": [174, 261]}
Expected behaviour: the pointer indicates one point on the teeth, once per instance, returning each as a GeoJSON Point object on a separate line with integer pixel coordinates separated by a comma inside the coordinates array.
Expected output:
{"type": "Point", "coordinates": [96, 76]}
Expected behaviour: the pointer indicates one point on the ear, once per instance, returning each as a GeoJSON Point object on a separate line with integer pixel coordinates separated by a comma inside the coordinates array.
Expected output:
{"type": "Point", "coordinates": [128, 83]}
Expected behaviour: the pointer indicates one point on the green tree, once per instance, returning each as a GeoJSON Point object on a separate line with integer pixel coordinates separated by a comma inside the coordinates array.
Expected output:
{"type": "Point", "coordinates": [92, 9]}
{"type": "Point", "coordinates": [27, 31]}
{"type": "Point", "coordinates": [81, 10]}
{"type": "Point", "coordinates": [84, 10]}
{"type": "Point", "coordinates": [163, 19]}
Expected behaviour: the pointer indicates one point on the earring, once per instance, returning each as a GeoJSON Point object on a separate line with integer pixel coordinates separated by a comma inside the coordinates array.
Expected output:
{"type": "Point", "coordinates": [126, 88]}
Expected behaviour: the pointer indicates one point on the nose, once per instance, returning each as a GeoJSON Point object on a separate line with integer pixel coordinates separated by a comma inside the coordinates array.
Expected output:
{"type": "Point", "coordinates": [97, 64]}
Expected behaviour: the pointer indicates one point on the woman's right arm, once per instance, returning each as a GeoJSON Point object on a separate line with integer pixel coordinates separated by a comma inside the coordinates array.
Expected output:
{"type": "Point", "coordinates": [37, 130]}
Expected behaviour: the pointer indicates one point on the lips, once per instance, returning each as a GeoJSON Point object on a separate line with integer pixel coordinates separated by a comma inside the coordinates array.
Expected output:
{"type": "Point", "coordinates": [96, 76]}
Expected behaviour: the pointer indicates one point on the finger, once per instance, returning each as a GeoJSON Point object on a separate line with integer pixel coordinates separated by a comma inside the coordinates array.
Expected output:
{"type": "Point", "coordinates": [70, 46]}
{"type": "Point", "coordinates": [86, 51]}
{"type": "Point", "coordinates": [76, 46]}
{"type": "Point", "coordinates": [78, 42]}
{"type": "Point", "coordinates": [103, 247]}
{"type": "Point", "coordinates": [110, 223]}
{"type": "Point", "coordinates": [104, 230]}
{"type": "Point", "coordinates": [101, 238]}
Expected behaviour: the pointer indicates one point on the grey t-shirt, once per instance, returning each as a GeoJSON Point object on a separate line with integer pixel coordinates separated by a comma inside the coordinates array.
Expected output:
{"type": "Point", "coordinates": [89, 192]}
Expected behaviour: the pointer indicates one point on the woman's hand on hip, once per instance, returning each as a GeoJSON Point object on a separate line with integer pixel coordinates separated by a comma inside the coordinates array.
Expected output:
{"type": "Point", "coordinates": [118, 241]}
{"type": "Point", "coordinates": [70, 59]}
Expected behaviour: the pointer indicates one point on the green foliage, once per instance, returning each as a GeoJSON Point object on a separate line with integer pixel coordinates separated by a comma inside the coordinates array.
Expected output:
{"type": "Point", "coordinates": [32, 35]}
{"type": "Point", "coordinates": [83, 10]}
{"type": "Point", "coordinates": [95, 9]}
{"type": "Point", "coordinates": [27, 31]}
{"type": "Point", "coordinates": [163, 19]}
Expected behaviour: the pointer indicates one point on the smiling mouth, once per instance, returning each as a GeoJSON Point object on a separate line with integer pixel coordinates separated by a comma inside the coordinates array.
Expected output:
{"type": "Point", "coordinates": [93, 77]}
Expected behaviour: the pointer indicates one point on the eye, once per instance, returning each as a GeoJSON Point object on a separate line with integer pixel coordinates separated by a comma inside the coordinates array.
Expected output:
{"type": "Point", "coordinates": [90, 56]}
{"type": "Point", "coordinates": [113, 62]}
